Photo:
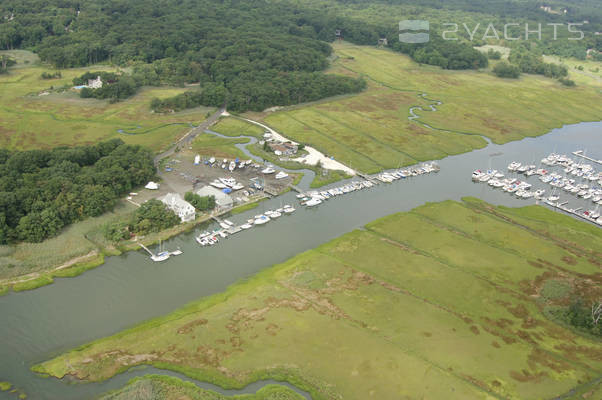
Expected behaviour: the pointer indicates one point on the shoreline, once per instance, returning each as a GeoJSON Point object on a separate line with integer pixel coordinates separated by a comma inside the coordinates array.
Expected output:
{"type": "Point", "coordinates": [95, 258]}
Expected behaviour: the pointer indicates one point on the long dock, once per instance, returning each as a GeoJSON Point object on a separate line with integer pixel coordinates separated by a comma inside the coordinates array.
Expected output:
{"type": "Point", "coordinates": [562, 206]}
{"type": "Point", "coordinates": [580, 153]}
{"type": "Point", "coordinates": [146, 248]}
{"type": "Point", "coordinates": [367, 177]}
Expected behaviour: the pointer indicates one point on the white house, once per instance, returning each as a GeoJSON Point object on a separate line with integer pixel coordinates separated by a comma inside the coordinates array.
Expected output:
{"type": "Point", "coordinates": [95, 83]}
{"type": "Point", "coordinates": [178, 205]}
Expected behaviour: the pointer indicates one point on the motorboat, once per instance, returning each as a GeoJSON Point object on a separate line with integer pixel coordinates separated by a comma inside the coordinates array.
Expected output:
{"type": "Point", "coordinates": [313, 202]}
{"type": "Point", "coordinates": [513, 166]}
{"type": "Point", "coordinates": [246, 226]}
{"type": "Point", "coordinates": [268, 170]}
{"type": "Point", "coordinates": [218, 184]}
{"type": "Point", "coordinates": [281, 175]}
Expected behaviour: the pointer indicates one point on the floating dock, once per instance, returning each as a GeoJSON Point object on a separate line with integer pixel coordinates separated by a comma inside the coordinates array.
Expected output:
{"type": "Point", "coordinates": [581, 153]}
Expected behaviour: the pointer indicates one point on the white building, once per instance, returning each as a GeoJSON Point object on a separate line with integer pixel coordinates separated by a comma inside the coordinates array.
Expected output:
{"type": "Point", "coordinates": [95, 83]}
{"type": "Point", "coordinates": [221, 199]}
{"type": "Point", "coordinates": [178, 205]}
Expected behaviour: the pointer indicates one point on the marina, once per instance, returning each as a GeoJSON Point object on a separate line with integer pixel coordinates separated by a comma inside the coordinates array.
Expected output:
{"type": "Point", "coordinates": [563, 174]}
{"type": "Point", "coordinates": [128, 288]}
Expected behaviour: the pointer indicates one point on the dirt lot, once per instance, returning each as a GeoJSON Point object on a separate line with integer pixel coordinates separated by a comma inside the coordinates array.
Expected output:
{"type": "Point", "coordinates": [185, 176]}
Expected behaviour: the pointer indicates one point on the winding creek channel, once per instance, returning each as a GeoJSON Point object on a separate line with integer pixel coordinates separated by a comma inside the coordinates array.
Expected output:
{"type": "Point", "coordinates": [37, 325]}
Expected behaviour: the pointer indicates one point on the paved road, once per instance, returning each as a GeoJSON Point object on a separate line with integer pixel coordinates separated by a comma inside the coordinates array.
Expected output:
{"type": "Point", "coordinates": [186, 139]}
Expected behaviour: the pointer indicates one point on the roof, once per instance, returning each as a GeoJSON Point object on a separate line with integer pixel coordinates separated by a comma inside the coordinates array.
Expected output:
{"type": "Point", "coordinates": [175, 200]}
{"type": "Point", "coordinates": [221, 198]}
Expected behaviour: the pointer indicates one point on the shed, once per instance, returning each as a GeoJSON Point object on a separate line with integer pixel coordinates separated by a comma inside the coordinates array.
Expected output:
{"type": "Point", "coordinates": [221, 199]}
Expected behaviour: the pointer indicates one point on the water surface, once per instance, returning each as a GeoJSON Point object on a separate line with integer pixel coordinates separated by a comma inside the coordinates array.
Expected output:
{"type": "Point", "coordinates": [127, 289]}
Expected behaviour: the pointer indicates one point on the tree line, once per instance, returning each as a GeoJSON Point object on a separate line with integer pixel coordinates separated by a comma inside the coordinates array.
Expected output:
{"type": "Point", "coordinates": [42, 191]}
{"type": "Point", "coordinates": [262, 91]}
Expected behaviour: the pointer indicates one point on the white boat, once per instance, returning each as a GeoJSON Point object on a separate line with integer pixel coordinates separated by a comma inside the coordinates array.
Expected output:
{"type": "Point", "coordinates": [211, 160]}
{"type": "Point", "coordinates": [245, 226]}
{"type": "Point", "coordinates": [281, 175]}
{"type": "Point", "coordinates": [513, 166]}
{"type": "Point", "coordinates": [288, 209]}
{"type": "Point", "coordinates": [232, 166]}
{"type": "Point", "coordinates": [162, 256]}
{"type": "Point", "coordinates": [261, 219]}
{"type": "Point", "coordinates": [176, 252]}
{"type": "Point", "coordinates": [275, 214]}
{"type": "Point", "coordinates": [229, 222]}
{"type": "Point", "coordinates": [218, 184]}
{"type": "Point", "coordinates": [268, 170]}
{"type": "Point", "coordinates": [224, 225]}
{"type": "Point", "coordinates": [313, 202]}
{"type": "Point", "coordinates": [197, 159]}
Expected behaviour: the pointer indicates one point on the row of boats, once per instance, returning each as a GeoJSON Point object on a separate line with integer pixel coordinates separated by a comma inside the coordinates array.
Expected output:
{"type": "Point", "coordinates": [313, 198]}
{"type": "Point", "coordinates": [520, 189]}
{"type": "Point", "coordinates": [231, 165]}
{"type": "Point", "coordinates": [426, 168]}
{"type": "Point", "coordinates": [229, 228]}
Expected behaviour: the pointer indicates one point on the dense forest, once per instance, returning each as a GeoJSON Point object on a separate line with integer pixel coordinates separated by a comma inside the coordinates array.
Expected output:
{"type": "Point", "coordinates": [41, 191]}
{"type": "Point", "coordinates": [262, 53]}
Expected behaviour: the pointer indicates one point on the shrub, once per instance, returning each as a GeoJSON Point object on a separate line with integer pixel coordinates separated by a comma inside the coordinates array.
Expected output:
{"type": "Point", "coordinates": [505, 70]}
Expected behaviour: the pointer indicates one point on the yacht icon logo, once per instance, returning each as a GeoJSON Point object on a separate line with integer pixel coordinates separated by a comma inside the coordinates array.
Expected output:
{"type": "Point", "coordinates": [414, 25]}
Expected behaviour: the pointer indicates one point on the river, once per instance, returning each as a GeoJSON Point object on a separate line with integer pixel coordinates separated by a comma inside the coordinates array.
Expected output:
{"type": "Point", "coordinates": [127, 289]}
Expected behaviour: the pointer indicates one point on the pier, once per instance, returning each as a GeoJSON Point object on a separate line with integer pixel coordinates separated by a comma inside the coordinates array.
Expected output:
{"type": "Point", "coordinates": [146, 248]}
{"type": "Point", "coordinates": [367, 177]}
{"type": "Point", "coordinates": [580, 153]}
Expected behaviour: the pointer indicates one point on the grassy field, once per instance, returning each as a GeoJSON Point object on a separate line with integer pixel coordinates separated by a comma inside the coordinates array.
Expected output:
{"type": "Point", "coordinates": [30, 120]}
{"type": "Point", "coordinates": [157, 387]}
{"type": "Point", "coordinates": [371, 131]}
{"type": "Point", "coordinates": [441, 302]}
{"type": "Point", "coordinates": [235, 127]}
{"type": "Point", "coordinates": [591, 74]}
{"type": "Point", "coordinates": [210, 145]}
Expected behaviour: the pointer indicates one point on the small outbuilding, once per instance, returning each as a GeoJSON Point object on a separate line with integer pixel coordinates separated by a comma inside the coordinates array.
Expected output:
{"type": "Point", "coordinates": [178, 205]}
{"type": "Point", "coordinates": [222, 199]}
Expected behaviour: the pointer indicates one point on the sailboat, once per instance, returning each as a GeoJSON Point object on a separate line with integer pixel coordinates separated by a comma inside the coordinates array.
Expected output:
{"type": "Point", "coordinates": [162, 255]}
